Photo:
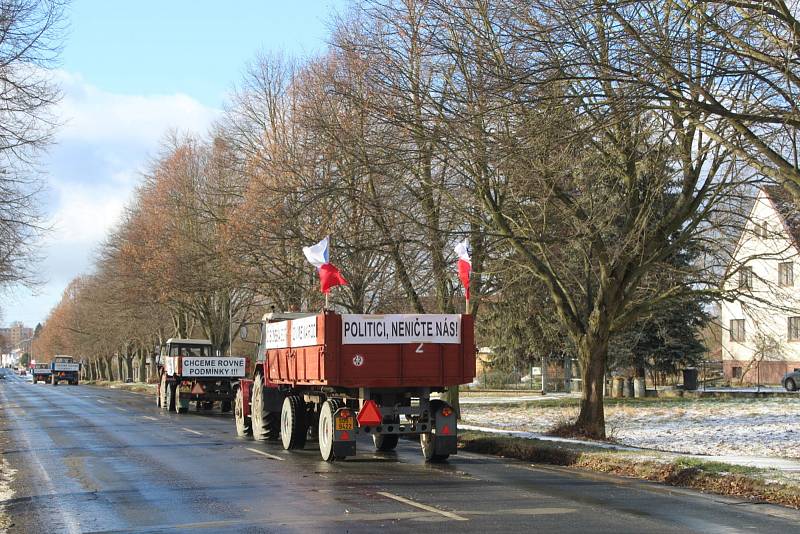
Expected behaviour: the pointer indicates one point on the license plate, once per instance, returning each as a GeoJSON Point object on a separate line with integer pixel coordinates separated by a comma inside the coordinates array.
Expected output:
{"type": "Point", "coordinates": [344, 424]}
{"type": "Point", "coordinates": [185, 389]}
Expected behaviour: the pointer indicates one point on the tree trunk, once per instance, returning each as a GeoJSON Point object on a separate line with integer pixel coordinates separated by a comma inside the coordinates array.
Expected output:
{"type": "Point", "coordinates": [142, 366]}
{"type": "Point", "coordinates": [592, 352]}
{"type": "Point", "coordinates": [105, 368]}
{"type": "Point", "coordinates": [128, 366]}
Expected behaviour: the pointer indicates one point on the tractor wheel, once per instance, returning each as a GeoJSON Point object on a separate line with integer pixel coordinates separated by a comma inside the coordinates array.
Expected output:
{"type": "Point", "coordinates": [244, 425]}
{"type": "Point", "coordinates": [170, 397]}
{"type": "Point", "coordinates": [266, 425]}
{"type": "Point", "coordinates": [294, 428]}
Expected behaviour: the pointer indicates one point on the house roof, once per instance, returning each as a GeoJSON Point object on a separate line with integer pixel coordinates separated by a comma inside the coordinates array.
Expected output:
{"type": "Point", "coordinates": [787, 208]}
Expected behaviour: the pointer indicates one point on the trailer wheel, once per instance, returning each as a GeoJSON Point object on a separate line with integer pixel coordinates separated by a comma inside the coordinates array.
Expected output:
{"type": "Point", "coordinates": [208, 405]}
{"type": "Point", "coordinates": [225, 406]}
{"type": "Point", "coordinates": [427, 440]}
{"type": "Point", "coordinates": [325, 434]}
{"type": "Point", "coordinates": [244, 425]}
{"type": "Point", "coordinates": [385, 442]}
{"type": "Point", "coordinates": [294, 428]}
{"type": "Point", "coordinates": [266, 425]}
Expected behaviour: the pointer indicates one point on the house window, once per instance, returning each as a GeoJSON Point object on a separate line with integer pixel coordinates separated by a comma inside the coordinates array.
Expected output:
{"type": "Point", "coordinates": [794, 329]}
{"type": "Point", "coordinates": [785, 274]}
{"type": "Point", "coordinates": [737, 329]}
{"type": "Point", "coordinates": [746, 278]}
{"type": "Point", "coordinates": [737, 372]}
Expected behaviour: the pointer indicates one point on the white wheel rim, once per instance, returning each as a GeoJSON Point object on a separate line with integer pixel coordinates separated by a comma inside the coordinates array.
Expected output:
{"type": "Point", "coordinates": [325, 431]}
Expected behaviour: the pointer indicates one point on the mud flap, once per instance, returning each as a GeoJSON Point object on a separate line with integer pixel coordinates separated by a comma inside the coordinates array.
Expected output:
{"type": "Point", "coordinates": [344, 433]}
{"type": "Point", "coordinates": [446, 433]}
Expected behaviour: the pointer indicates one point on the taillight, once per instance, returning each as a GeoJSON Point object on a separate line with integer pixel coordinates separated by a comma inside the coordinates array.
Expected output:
{"type": "Point", "coordinates": [345, 413]}
{"type": "Point", "coordinates": [447, 411]}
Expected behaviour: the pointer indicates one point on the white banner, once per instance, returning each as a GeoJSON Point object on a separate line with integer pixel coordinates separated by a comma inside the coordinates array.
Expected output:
{"type": "Point", "coordinates": [304, 332]}
{"type": "Point", "coordinates": [276, 335]}
{"type": "Point", "coordinates": [407, 328]}
{"type": "Point", "coordinates": [66, 366]}
{"type": "Point", "coordinates": [213, 367]}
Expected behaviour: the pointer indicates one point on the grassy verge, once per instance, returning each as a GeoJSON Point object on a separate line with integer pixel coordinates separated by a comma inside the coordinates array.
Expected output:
{"type": "Point", "coordinates": [136, 387]}
{"type": "Point", "coordinates": [714, 477]}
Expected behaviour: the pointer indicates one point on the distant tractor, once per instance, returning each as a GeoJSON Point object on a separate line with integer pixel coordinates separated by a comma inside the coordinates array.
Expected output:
{"type": "Point", "coordinates": [41, 372]}
{"type": "Point", "coordinates": [189, 372]}
{"type": "Point", "coordinates": [64, 368]}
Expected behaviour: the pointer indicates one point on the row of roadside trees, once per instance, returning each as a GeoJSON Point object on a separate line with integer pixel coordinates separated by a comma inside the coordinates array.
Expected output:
{"type": "Point", "coordinates": [593, 154]}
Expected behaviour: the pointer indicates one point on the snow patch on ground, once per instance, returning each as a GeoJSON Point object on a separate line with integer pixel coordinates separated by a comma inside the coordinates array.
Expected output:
{"type": "Point", "coordinates": [6, 493]}
{"type": "Point", "coordinates": [733, 427]}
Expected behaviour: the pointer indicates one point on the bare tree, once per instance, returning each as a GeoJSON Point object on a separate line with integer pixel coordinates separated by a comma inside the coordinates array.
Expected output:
{"type": "Point", "coordinates": [30, 33]}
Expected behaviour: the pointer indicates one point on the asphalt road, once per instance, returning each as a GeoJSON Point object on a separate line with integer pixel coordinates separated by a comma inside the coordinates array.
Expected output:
{"type": "Point", "coordinates": [98, 460]}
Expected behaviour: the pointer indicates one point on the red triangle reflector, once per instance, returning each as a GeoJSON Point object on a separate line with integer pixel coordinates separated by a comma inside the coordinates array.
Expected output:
{"type": "Point", "coordinates": [445, 430]}
{"type": "Point", "coordinates": [370, 414]}
{"type": "Point", "coordinates": [344, 436]}
{"type": "Point", "coordinates": [198, 389]}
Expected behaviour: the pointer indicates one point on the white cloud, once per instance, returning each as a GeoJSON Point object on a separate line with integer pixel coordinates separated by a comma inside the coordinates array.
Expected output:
{"type": "Point", "coordinates": [105, 143]}
{"type": "Point", "coordinates": [91, 115]}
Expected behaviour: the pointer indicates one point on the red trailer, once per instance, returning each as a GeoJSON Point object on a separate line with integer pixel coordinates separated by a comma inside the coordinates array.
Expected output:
{"type": "Point", "coordinates": [332, 377]}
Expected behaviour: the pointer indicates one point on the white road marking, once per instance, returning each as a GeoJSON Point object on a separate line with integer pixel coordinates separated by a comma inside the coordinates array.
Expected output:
{"type": "Point", "coordinates": [421, 506]}
{"type": "Point", "coordinates": [148, 417]}
{"type": "Point", "coordinates": [101, 401]}
{"type": "Point", "coordinates": [268, 455]}
{"type": "Point", "coordinates": [192, 431]}
{"type": "Point", "coordinates": [121, 409]}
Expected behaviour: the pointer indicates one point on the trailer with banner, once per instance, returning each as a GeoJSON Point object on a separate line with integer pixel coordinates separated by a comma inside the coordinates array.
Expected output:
{"type": "Point", "coordinates": [331, 377]}
{"type": "Point", "coordinates": [189, 372]}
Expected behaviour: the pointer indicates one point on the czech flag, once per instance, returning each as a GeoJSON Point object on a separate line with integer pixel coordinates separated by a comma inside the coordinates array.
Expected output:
{"type": "Point", "coordinates": [319, 256]}
{"type": "Point", "coordinates": [464, 265]}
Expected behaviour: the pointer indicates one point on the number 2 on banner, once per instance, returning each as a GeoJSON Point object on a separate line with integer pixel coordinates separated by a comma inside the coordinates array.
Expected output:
{"type": "Point", "coordinates": [420, 350]}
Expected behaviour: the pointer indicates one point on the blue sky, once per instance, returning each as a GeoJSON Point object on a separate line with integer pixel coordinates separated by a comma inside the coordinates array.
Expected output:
{"type": "Point", "coordinates": [130, 71]}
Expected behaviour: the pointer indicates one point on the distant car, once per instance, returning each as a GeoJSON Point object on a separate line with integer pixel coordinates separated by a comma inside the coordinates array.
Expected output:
{"type": "Point", "coordinates": [791, 380]}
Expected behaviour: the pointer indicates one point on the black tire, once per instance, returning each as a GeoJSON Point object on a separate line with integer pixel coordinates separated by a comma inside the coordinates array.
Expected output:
{"type": "Point", "coordinates": [294, 428]}
{"type": "Point", "coordinates": [244, 425]}
{"type": "Point", "coordinates": [265, 424]}
{"type": "Point", "coordinates": [385, 442]}
{"type": "Point", "coordinates": [427, 440]}
{"type": "Point", "coordinates": [208, 405]}
{"type": "Point", "coordinates": [325, 433]}
{"type": "Point", "coordinates": [225, 406]}
{"type": "Point", "coordinates": [790, 384]}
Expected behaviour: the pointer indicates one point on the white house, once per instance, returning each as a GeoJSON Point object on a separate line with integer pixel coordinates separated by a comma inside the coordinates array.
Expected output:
{"type": "Point", "coordinates": [761, 327]}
